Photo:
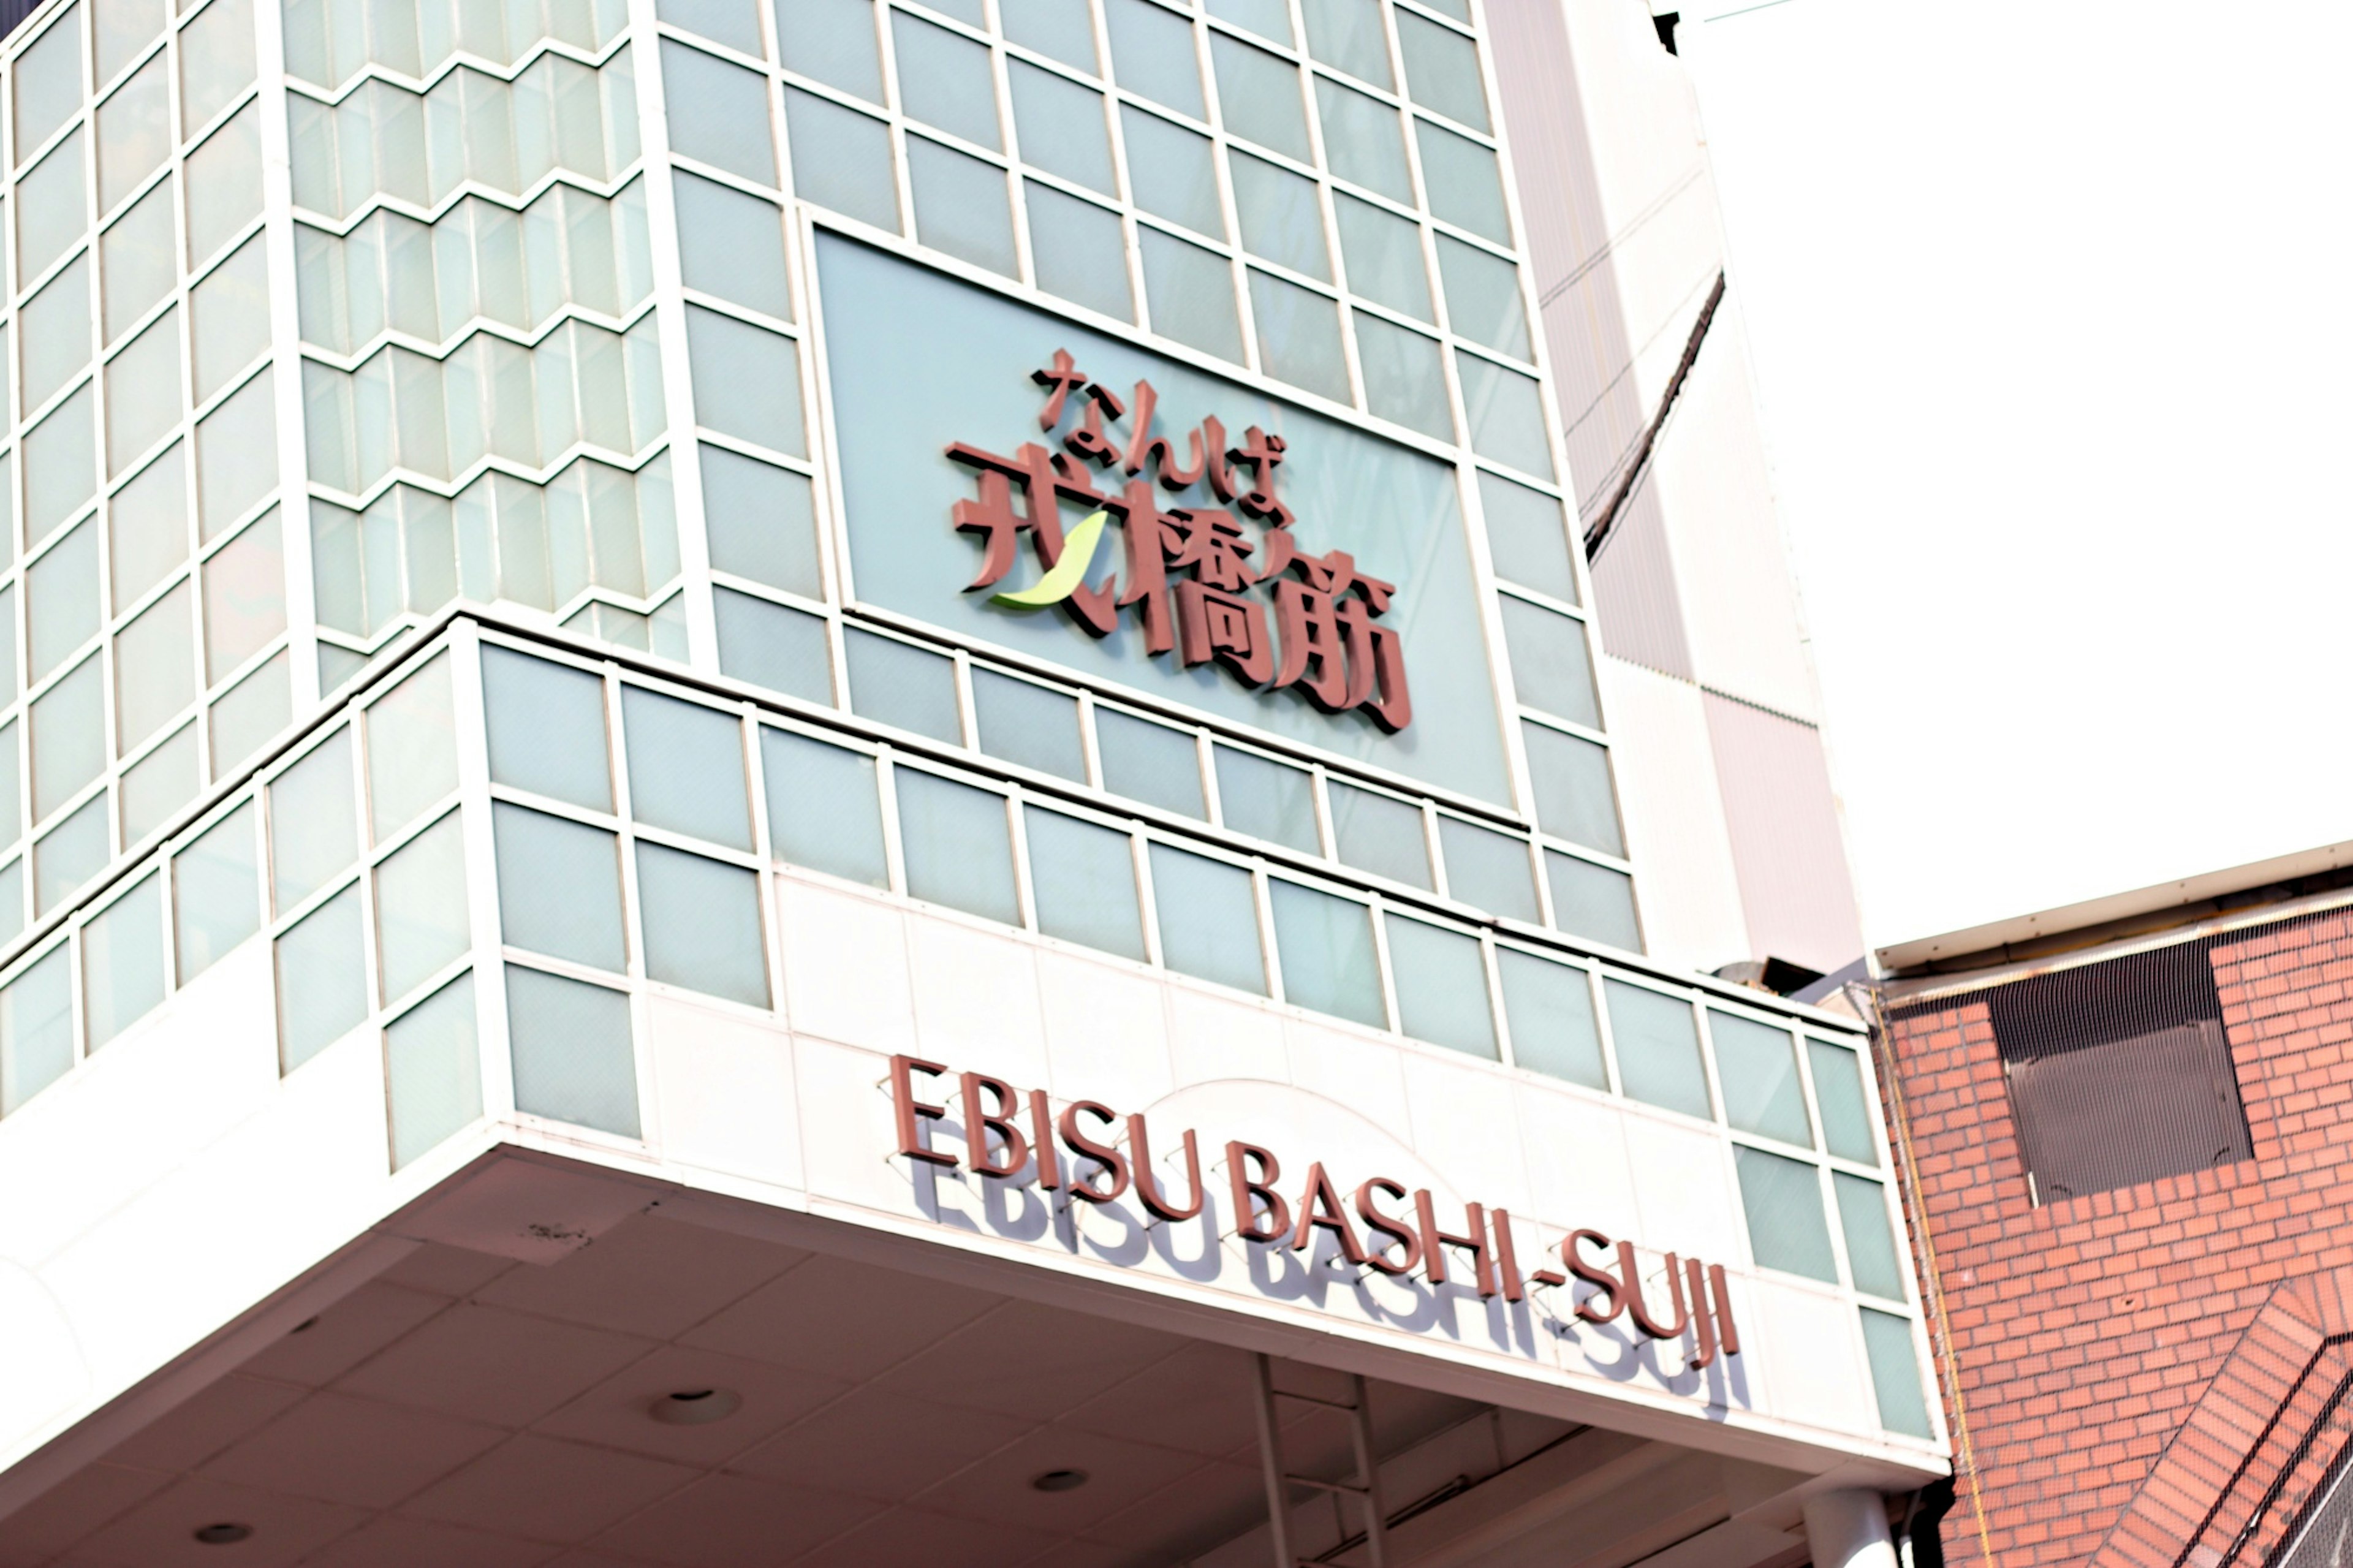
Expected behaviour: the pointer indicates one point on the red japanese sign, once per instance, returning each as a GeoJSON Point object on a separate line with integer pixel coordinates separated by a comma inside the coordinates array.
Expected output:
{"type": "Point", "coordinates": [1199, 585]}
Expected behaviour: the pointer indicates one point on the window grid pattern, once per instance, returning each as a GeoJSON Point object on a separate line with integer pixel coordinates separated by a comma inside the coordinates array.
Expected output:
{"type": "Point", "coordinates": [144, 625]}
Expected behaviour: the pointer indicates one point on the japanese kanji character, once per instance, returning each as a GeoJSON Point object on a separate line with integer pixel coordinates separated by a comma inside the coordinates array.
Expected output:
{"type": "Point", "coordinates": [1375, 666]}
{"type": "Point", "coordinates": [1308, 624]}
{"type": "Point", "coordinates": [1153, 538]}
{"type": "Point", "coordinates": [1214, 548]}
{"type": "Point", "coordinates": [1225, 626]}
{"type": "Point", "coordinates": [1046, 478]}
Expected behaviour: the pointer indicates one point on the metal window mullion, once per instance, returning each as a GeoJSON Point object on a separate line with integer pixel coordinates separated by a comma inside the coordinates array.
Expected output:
{"type": "Point", "coordinates": [472, 740]}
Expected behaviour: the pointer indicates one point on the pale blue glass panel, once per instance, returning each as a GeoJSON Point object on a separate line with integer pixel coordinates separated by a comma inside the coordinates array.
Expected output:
{"type": "Point", "coordinates": [1528, 537]}
{"type": "Point", "coordinates": [1299, 335]}
{"type": "Point", "coordinates": [747, 381]}
{"type": "Point", "coordinates": [1269, 19]}
{"type": "Point", "coordinates": [1552, 668]}
{"type": "Point", "coordinates": [1506, 414]}
{"type": "Point", "coordinates": [834, 41]}
{"type": "Point", "coordinates": [1191, 291]}
{"type": "Point", "coordinates": [559, 888]}
{"type": "Point", "coordinates": [1208, 919]}
{"type": "Point", "coordinates": [68, 734]}
{"type": "Point", "coordinates": [1657, 1049]}
{"type": "Point", "coordinates": [1152, 55]}
{"type": "Point", "coordinates": [1150, 762]}
{"type": "Point", "coordinates": [735, 23]}
{"type": "Point", "coordinates": [718, 112]}
{"type": "Point", "coordinates": [62, 600]}
{"type": "Point", "coordinates": [1379, 834]}
{"type": "Point", "coordinates": [1029, 724]}
{"type": "Point", "coordinates": [314, 831]}
{"type": "Point", "coordinates": [960, 205]}
{"type": "Point", "coordinates": [945, 80]}
{"type": "Point", "coordinates": [420, 907]}
{"type": "Point", "coordinates": [1059, 28]}
{"type": "Point", "coordinates": [956, 845]}
{"type": "Point", "coordinates": [1846, 1111]}
{"type": "Point", "coordinates": [1756, 1067]}
{"type": "Point", "coordinates": [123, 962]}
{"type": "Point", "coordinates": [1404, 376]}
{"type": "Point", "coordinates": [732, 244]}
{"type": "Point", "coordinates": [1870, 1239]}
{"type": "Point", "coordinates": [1489, 869]}
{"type": "Point", "coordinates": [147, 528]}
{"type": "Point", "coordinates": [1574, 798]}
{"type": "Point", "coordinates": [1441, 987]}
{"type": "Point", "coordinates": [686, 767]}
{"type": "Point", "coordinates": [53, 339]}
{"type": "Point", "coordinates": [1325, 946]}
{"type": "Point", "coordinates": [762, 520]}
{"type": "Point", "coordinates": [1550, 1008]}
{"type": "Point", "coordinates": [573, 1057]}
{"type": "Point", "coordinates": [1079, 250]}
{"type": "Point", "coordinates": [1259, 95]}
{"type": "Point", "coordinates": [823, 808]}
{"type": "Point", "coordinates": [1267, 799]}
{"type": "Point", "coordinates": [1593, 900]}
{"type": "Point", "coordinates": [547, 729]}
{"type": "Point", "coordinates": [123, 30]}
{"type": "Point", "coordinates": [37, 1042]}
{"type": "Point", "coordinates": [1383, 252]}
{"type": "Point", "coordinates": [216, 892]}
{"type": "Point", "coordinates": [321, 980]}
{"type": "Point", "coordinates": [11, 798]}
{"type": "Point", "coordinates": [1364, 141]}
{"type": "Point", "coordinates": [73, 852]}
{"type": "Point", "coordinates": [773, 646]}
{"type": "Point", "coordinates": [1084, 879]}
{"type": "Point", "coordinates": [1394, 509]}
{"type": "Point", "coordinates": [1062, 127]}
{"type": "Point", "coordinates": [1441, 70]}
{"type": "Point", "coordinates": [1347, 35]}
{"type": "Point", "coordinates": [12, 900]}
{"type": "Point", "coordinates": [702, 924]}
{"type": "Point", "coordinates": [155, 788]}
{"type": "Point", "coordinates": [1281, 219]}
{"type": "Point", "coordinates": [1783, 1198]}
{"type": "Point", "coordinates": [1483, 296]}
{"type": "Point", "coordinates": [60, 464]}
{"type": "Point", "coordinates": [412, 747]}
{"type": "Point", "coordinates": [52, 208]}
{"type": "Point", "coordinates": [841, 159]}
{"type": "Point", "coordinates": [1458, 9]}
{"type": "Point", "coordinates": [1172, 172]}
{"type": "Point", "coordinates": [1465, 182]}
{"type": "Point", "coordinates": [900, 684]}
{"type": "Point", "coordinates": [1895, 1359]}
{"type": "Point", "coordinates": [432, 1073]}
{"type": "Point", "coordinates": [46, 84]}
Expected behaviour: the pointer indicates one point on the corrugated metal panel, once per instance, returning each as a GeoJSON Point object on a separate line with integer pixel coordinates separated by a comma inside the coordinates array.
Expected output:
{"type": "Point", "coordinates": [1785, 845]}
{"type": "Point", "coordinates": [1636, 601]}
{"type": "Point", "coordinates": [1674, 818]}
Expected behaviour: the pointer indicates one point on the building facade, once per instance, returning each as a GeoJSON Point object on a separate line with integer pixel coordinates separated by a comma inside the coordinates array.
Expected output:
{"type": "Point", "coordinates": [2123, 1127]}
{"type": "Point", "coordinates": [824, 784]}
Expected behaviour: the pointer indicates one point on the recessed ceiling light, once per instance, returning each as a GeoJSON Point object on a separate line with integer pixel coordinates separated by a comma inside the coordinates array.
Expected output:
{"type": "Point", "coordinates": [695, 1406]}
{"type": "Point", "coordinates": [1061, 1480]}
{"type": "Point", "coordinates": [224, 1534]}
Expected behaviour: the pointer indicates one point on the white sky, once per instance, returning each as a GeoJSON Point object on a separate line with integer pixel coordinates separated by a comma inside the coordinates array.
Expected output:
{"type": "Point", "coordinates": [2052, 312]}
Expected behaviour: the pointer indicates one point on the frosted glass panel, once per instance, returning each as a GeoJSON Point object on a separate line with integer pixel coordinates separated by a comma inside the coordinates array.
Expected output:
{"type": "Point", "coordinates": [232, 317]}
{"type": "Point", "coordinates": [420, 907]}
{"type": "Point", "coordinates": [216, 60]}
{"type": "Point", "coordinates": [956, 845]}
{"type": "Point", "coordinates": [1528, 537]}
{"type": "Point", "coordinates": [1574, 798]}
{"type": "Point", "coordinates": [1869, 1240]}
{"type": "Point", "coordinates": [1060, 125]}
{"type": "Point", "coordinates": [313, 827]}
{"type": "Point", "coordinates": [225, 184]}
{"type": "Point", "coordinates": [1280, 217]}
{"type": "Point", "coordinates": [1464, 183]}
{"type": "Point", "coordinates": [1060, 29]}
{"type": "Point", "coordinates": [321, 980]}
{"type": "Point", "coordinates": [735, 23]}
{"type": "Point", "coordinates": [823, 811]}
{"type": "Point", "coordinates": [1550, 1009]}
{"type": "Point", "coordinates": [1324, 943]}
{"type": "Point", "coordinates": [1441, 987]}
{"type": "Point", "coordinates": [1259, 93]}
{"type": "Point", "coordinates": [718, 112]}
{"type": "Point", "coordinates": [250, 713]}
{"type": "Point", "coordinates": [53, 332]}
{"type": "Point", "coordinates": [236, 457]}
{"type": "Point", "coordinates": [903, 685]}
{"type": "Point", "coordinates": [216, 892]}
{"type": "Point", "coordinates": [157, 786]}
{"type": "Point", "coordinates": [1172, 172]}
{"type": "Point", "coordinates": [1084, 879]}
{"type": "Point", "coordinates": [841, 159]}
{"type": "Point", "coordinates": [136, 264]}
{"type": "Point", "coordinates": [943, 81]}
{"type": "Point", "coordinates": [1405, 378]}
{"type": "Point", "coordinates": [1507, 422]}
{"type": "Point", "coordinates": [686, 767]}
{"type": "Point", "coordinates": [1364, 141]}
{"type": "Point", "coordinates": [412, 748]}
{"type": "Point", "coordinates": [1191, 292]}
{"type": "Point", "coordinates": [1784, 1202]}
{"type": "Point", "coordinates": [559, 888]}
{"type": "Point", "coordinates": [432, 1074]}
{"type": "Point", "coordinates": [1269, 19]}
{"type": "Point", "coordinates": [1483, 296]}
{"type": "Point", "coordinates": [147, 527]}
{"type": "Point", "coordinates": [1848, 1120]}
{"type": "Point", "coordinates": [747, 381]}
{"type": "Point", "coordinates": [1380, 833]}
{"type": "Point", "coordinates": [1894, 1360]}
{"type": "Point", "coordinates": [1551, 668]}
{"type": "Point", "coordinates": [245, 596]}
{"type": "Point", "coordinates": [134, 132]}
{"type": "Point", "coordinates": [547, 729]}
{"type": "Point", "coordinates": [1756, 1067]}
{"type": "Point", "coordinates": [1383, 252]}
{"type": "Point", "coordinates": [60, 464]}
{"type": "Point", "coordinates": [1079, 251]}
{"type": "Point", "coordinates": [1152, 55]}
{"type": "Point", "coordinates": [1299, 336]}
{"type": "Point", "coordinates": [73, 852]}
{"type": "Point", "coordinates": [1487, 868]}
{"type": "Point", "coordinates": [52, 205]}
{"type": "Point", "coordinates": [1150, 762]}
{"type": "Point", "coordinates": [37, 1043]}
{"type": "Point", "coordinates": [762, 520]}
{"type": "Point", "coordinates": [960, 205]}
{"type": "Point", "coordinates": [1441, 70]}
{"type": "Point", "coordinates": [68, 733]}
{"type": "Point", "coordinates": [122, 963]}
{"type": "Point", "coordinates": [1267, 799]}
{"type": "Point", "coordinates": [1208, 918]}
{"type": "Point", "coordinates": [1658, 1049]}
{"type": "Point", "coordinates": [832, 40]}
{"type": "Point", "coordinates": [124, 27]}
{"type": "Point", "coordinates": [61, 591]}
{"type": "Point", "coordinates": [155, 667]}
{"type": "Point", "coordinates": [1029, 724]}
{"type": "Point", "coordinates": [732, 245]}
{"type": "Point", "coordinates": [46, 86]}
{"type": "Point", "coordinates": [573, 1059]}
{"type": "Point", "coordinates": [143, 391]}
{"type": "Point", "coordinates": [702, 924]}
{"type": "Point", "coordinates": [773, 646]}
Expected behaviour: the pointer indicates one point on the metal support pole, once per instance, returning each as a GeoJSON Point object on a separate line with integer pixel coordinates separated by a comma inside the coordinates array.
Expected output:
{"type": "Point", "coordinates": [1360, 1428]}
{"type": "Point", "coordinates": [1270, 1462]}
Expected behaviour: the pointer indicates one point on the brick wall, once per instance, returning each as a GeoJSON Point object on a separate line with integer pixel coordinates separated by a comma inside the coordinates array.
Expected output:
{"type": "Point", "coordinates": [2086, 1333]}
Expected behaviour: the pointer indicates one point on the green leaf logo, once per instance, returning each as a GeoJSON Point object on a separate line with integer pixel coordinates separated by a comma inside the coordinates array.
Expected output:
{"type": "Point", "coordinates": [1066, 575]}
